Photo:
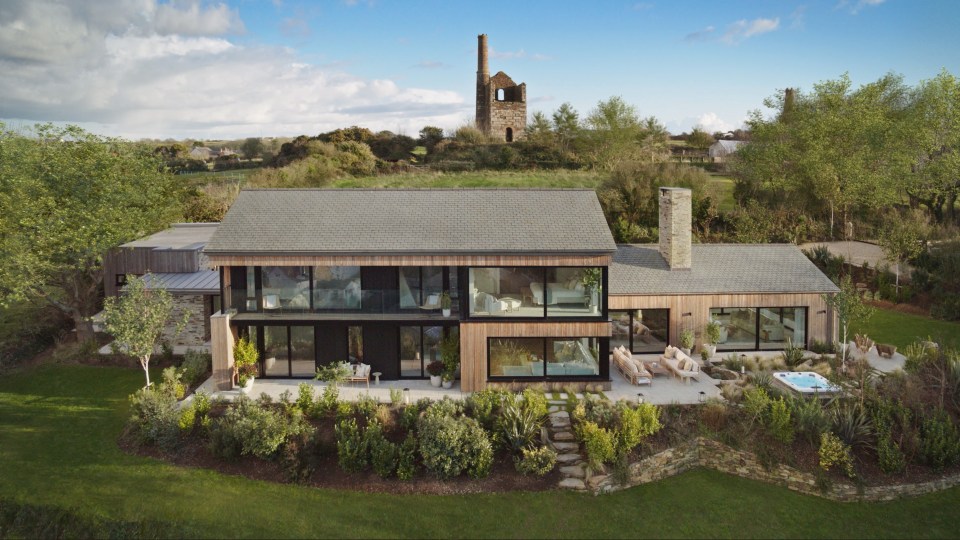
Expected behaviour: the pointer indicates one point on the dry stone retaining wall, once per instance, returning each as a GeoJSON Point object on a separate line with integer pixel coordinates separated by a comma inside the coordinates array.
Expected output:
{"type": "Point", "coordinates": [702, 452]}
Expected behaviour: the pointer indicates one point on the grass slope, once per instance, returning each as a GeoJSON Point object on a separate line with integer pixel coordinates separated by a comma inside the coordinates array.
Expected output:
{"type": "Point", "coordinates": [477, 179]}
{"type": "Point", "coordinates": [902, 329]}
{"type": "Point", "coordinates": [58, 426]}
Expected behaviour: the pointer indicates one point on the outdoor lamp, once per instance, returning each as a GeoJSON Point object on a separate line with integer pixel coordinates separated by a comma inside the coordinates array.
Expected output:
{"type": "Point", "coordinates": [640, 398]}
{"type": "Point", "coordinates": [703, 397]}
{"type": "Point", "coordinates": [406, 396]}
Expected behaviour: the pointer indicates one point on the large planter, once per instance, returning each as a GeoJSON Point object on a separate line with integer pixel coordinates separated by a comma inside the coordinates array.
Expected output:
{"type": "Point", "coordinates": [247, 388]}
{"type": "Point", "coordinates": [447, 384]}
{"type": "Point", "coordinates": [446, 312]}
{"type": "Point", "coordinates": [711, 350]}
{"type": "Point", "coordinates": [686, 351]}
{"type": "Point", "coordinates": [435, 380]}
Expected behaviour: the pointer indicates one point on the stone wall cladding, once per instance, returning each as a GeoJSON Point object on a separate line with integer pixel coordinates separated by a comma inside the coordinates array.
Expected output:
{"type": "Point", "coordinates": [676, 222]}
{"type": "Point", "coordinates": [194, 333]}
{"type": "Point", "coordinates": [702, 452]}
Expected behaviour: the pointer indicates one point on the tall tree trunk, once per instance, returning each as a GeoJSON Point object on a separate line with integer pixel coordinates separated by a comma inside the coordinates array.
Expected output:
{"type": "Point", "coordinates": [145, 364]}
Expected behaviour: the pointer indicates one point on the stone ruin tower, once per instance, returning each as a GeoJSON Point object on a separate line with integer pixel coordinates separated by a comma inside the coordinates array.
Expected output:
{"type": "Point", "coordinates": [501, 103]}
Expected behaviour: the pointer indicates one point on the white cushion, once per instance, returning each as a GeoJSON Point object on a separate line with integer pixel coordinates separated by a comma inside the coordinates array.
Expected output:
{"type": "Point", "coordinates": [670, 352]}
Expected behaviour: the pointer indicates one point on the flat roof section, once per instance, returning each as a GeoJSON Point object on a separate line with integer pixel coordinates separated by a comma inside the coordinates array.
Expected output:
{"type": "Point", "coordinates": [413, 221]}
{"type": "Point", "coordinates": [639, 269]}
{"type": "Point", "coordinates": [178, 236]}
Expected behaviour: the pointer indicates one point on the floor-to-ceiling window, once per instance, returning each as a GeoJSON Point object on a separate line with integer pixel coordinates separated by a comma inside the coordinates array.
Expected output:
{"type": "Point", "coordinates": [544, 358]}
{"type": "Point", "coordinates": [760, 328]}
{"type": "Point", "coordinates": [641, 330]}
{"type": "Point", "coordinates": [419, 346]}
{"type": "Point", "coordinates": [276, 352]}
{"type": "Point", "coordinates": [286, 288]}
{"type": "Point", "coordinates": [536, 291]}
{"type": "Point", "coordinates": [336, 287]}
{"type": "Point", "coordinates": [303, 356]}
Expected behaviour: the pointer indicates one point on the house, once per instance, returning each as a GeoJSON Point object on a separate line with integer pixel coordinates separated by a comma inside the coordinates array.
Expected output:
{"type": "Point", "coordinates": [539, 292]}
{"type": "Point", "coordinates": [175, 261]}
{"type": "Point", "coordinates": [201, 152]}
{"type": "Point", "coordinates": [719, 150]}
{"type": "Point", "coordinates": [314, 276]}
{"type": "Point", "coordinates": [765, 296]}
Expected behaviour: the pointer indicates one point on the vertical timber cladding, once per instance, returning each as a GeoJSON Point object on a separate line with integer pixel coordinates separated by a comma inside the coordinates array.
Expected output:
{"type": "Point", "coordinates": [221, 351]}
{"type": "Point", "coordinates": [693, 311]}
{"type": "Point", "coordinates": [473, 342]}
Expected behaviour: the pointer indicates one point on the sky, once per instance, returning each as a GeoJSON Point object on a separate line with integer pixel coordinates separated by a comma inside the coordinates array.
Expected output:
{"type": "Point", "coordinates": [255, 68]}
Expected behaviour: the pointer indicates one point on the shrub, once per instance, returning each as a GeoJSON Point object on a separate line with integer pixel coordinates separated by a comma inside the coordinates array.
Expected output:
{"type": "Point", "coordinates": [396, 396]}
{"type": "Point", "coordinates": [366, 406]}
{"type": "Point", "coordinates": [939, 441]}
{"type": "Point", "coordinates": [195, 365]}
{"type": "Point", "coordinates": [407, 458]}
{"type": "Point", "coordinates": [536, 402]}
{"type": "Point", "coordinates": [833, 452]}
{"type": "Point", "coordinates": [633, 425]}
{"type": "Point", "coordinates": [890, 457]}
{"type": "Point", "coordinates": [409, 416]}
{"type": "Point", "coordinates": [188, 418]}
{"type": "Point", "coordinates": [519, 425]}
{"type": "Point", "coordinates": [298, 456]}
{"type": "Point", "coordinates": [756, 401]}
{"type": "Point", "coordinates": [352, 450]}
{"type": "Point", "coordinates": [483, 405]}
{"type": "Point", "coordinates": [792, 356]}
{"type": "Point", "coordinates": [250, 428]}
{"type": "Point", "coordinates": [328, 401]}
{"type": "Point", "coordinates": [851, 423]}
{"type": "Point", "coordinates": [779, 423]}
{"type": "Point", "coordinates": [170, 383]}
{"type": "Point", "coordinates": [597, 443]}
{"type": "Point", "coordinates": [714, 415]}
{"type": "Point", "coordinates": [452, 445]}
{"type": "Point", "coordinates": [822, 347]}
{"type": "Point", "coordinates": [383, 453]}
{"type": "Point", "coordinates": [155, 417]}
{"type": "Point", "coordinates": [809, 418]}
{"type": "Point", "coordinates": [539, 461]}
{"type": "Point", "coordinates": [305, 399]}
{"type": "Point", "coordinates": [444, 407]}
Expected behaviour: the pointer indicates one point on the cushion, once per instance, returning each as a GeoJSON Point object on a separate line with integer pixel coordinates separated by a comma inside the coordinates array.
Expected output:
{"type": "Point", "coordinates": [669, 352]}
{"type": "Point", "coordinates": [638, 365]}
{"type": "Point", "coordinates": [684, 364]}
{"type": "Point", "coordinates": [631, 365]}
{"type": "Point", "coordinates": [578, 286]}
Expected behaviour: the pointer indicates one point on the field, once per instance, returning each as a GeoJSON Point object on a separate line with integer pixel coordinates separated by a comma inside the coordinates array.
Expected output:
{"type": "Point", "coordinates": [58, 430]}
{"type": "Point", "coordinates": [902, 329]}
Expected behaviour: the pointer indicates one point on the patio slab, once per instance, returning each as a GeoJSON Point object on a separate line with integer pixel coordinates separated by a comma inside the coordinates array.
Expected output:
{"type": "Point", "coordinates": [349, 392]}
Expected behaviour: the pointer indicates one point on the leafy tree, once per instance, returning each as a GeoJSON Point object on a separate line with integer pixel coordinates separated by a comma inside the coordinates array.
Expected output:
{"type": "Point", "coordinates": [849, 308]}
{"type": "Point", "coordinates": [352, 133]}
{"type": "Point", "coordinates": [252, 147]}
{"type": "Point", "coordinates": [539, 129]}
{"type": "Point", "coordinates": [566, 126]}
{"type": "Point", "coordinates": [429, 137]}
{"type": "Point", "coordinates": [67, 197]}
{"type": "Point", "coordinates": [391, 147]}
{"type": "Point", "coordinates": [618, 134]}
{"type": "Point", "coordinates": [136, 319]}
{"type": "Point", "coordinates": [902, 238]}
{"type": "Point", "coordinates": [700, 139]}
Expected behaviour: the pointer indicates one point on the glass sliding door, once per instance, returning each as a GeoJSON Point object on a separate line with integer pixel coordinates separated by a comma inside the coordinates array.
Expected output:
{"type": "Point", "coordinates": [336, 287]}
{"type": "Point", "coordinates": [764, 328]}
{"type": "Point", "coordinates": [411, 361]}
{"type": "Point", "coordinates": [276, 353]}
{"type": "Point", "coordinates": [781, 326]}
{"type": "Point", "coordinates": [302, 351]}
{"type": "Point", "coordinates": [355, 344]}
{"type": "Point", "coordinates": [640, 330]}
{"type": "Point", "coordinates": [620, 329]}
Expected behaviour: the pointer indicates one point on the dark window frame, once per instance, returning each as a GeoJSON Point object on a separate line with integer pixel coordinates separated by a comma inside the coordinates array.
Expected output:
{"type": "Point", "coordinates": [601, 316]}
{"type": "Point", "coordinates": [631, 314]}
{"type": "Point", "coordinates": [756, 324]}
{"type": "Point", "coordinates": [603, 346]}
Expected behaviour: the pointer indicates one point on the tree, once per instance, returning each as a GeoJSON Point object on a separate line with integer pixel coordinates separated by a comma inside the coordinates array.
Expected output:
{"type": "Point", "coordinates": [136, 319]}
{"type": "Point", "coordinates": [700, 139]}
{"type": "Point", "coordinates": [617, 134]}
{"type": "Point", "coordinates": [252, 147]}
{"type": "Point", "coordinates": [566, 125]}
{"type": "Point", "coordinates": [849, 308]}
{"type": "Point", "coordinates": [539, 129]}
{"type": "Point", "coordinates": [67, 197]}
{"type": "Point", "coordinates": [902, 239]}
{"type": "Point", "coordinates": [429, 137]}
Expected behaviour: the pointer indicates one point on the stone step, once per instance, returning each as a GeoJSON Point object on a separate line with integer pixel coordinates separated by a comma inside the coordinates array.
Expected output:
{"type": "Point", "coordinates": [560, 424]}
{"type": "Point", "coordinates": [559, 414]}
{"type": "Point", "coordinates": [575, 471]}
{"type": "Point", "coordinates": [567, 459]}
{"type": "Point", "coordinates": [566, 446]}
{"type": "Point", "coordinates": [554, 408]}
{"type": "Point", "coordinates": [563, 436]}
{"type": "Point", "coordinates": [572, 483]}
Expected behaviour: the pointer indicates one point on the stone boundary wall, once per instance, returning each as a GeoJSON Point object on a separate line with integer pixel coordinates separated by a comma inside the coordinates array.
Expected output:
{"type": "Point", "coordinates": [703, 452]}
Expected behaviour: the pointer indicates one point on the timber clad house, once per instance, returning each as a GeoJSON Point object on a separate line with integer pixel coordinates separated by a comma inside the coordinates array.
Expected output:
{"type": "Point", "coordinates": [539, 292]}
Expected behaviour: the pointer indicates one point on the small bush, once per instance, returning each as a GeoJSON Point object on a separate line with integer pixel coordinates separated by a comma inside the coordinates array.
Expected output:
{"type": "Point", "coordinates": [407, 458]}
{"type": "Point", "coordinates": [833, 452]}
{"type": "Point", "coordinates": [597, 443]}
{"type": "Point", "coordinates": [328, 401]}
{"type": "Point", "coordinates": [809, 418]}
{"type": "Point", "coordinates": [792, 356]}
{"type": "Point", "coordinates": [538, 461]}
{"type": "Point", "coordinates": [383, 453]}
{"type": "Point", "coordinates": [756, 402]}
{"type": "Point", "coordinates": [155, 417]}
{"type": "Point", "coordinates": [366, 406]}
{"type": "Point", "coordinates": [171, 382]}
{"type": "Point", "coordinates": [779, 423]}
{"type": "Point", "coordinates": [939, 441]}
{"type": "Point", "coordinates": [482, 406]}
{"type": "Point", "coordinates": [250, 428]}
{"type": "Point", "coordinates": [714, 415]}
{"type": "Point", "coordinates": [452, 445]}
{"type": "Point", "coordinates": [409, 416]}
{"type": "Point", "coordinates": [536, 402]}
{"type": "Point", "coordinates": [352, 451]}
{"type": "Point", "coordinates": [396, 396]}
{"type": "Point", "coordinates": [852, 424]}
{"type": "Point", "coordinates": [519, 425]}
{"type": "Point", "coordinates": [444, 407]}
{"type": "Point", "coordinates": [298, 457]}
{"type": "Point", "coordinates": [196, 364]}
{"type": "Point", "coordinates": [633, 425]}
{"type": "Point", "coordinates": [305, 399]}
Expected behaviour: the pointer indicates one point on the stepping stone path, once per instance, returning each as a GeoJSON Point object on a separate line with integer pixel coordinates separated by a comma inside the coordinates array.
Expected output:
{"type": "Point", "coordinates": [571, 461]}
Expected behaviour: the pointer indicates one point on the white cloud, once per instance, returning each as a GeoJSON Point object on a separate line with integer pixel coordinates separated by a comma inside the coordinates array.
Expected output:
{"type": "Point", "coordinates": [710, 122]}
{"type": "Point", "coordinates": [507, 55]}
{"type": "Point", "coordinates": [744, 29]}
{"type": "Point", "coordinates": [700, 35]}
{"type": "Point", "coordinates": [186, 17]}
{"type": "Point", "coordinates": [136, 77]}
{"type": "Point", "coordinates": [859, 5]}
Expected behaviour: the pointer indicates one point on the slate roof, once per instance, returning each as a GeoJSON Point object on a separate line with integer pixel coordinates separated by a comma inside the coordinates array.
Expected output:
{"type": "Point", "coordinates": [717, 268]}
{"type": "Point", "coordinates": [202, 282]}
{"type": "Point", "coordinates": [419, 221]}
{"type": "Point", "coordinates": [178, 236]}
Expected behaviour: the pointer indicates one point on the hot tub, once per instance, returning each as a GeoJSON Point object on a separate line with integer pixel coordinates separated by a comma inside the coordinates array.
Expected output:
{"type": "Point", "coordinates": [805, 382]}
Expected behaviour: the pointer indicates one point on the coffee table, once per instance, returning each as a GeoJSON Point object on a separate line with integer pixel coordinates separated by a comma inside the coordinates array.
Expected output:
{"type": "Point", "coordinates": [655, 367]}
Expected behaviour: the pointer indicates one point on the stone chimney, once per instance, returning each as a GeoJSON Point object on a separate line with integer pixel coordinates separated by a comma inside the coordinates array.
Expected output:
{"type": "Point", "coordinates": [676, 221]}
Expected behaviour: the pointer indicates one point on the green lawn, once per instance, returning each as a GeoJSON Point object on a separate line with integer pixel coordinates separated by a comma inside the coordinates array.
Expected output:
{"type": "Point", "coordinates": [58, 427]}
{"type": "Point", "coordinates": [902, 329]}
{"type": "Point", "coordinates": [720, 189]}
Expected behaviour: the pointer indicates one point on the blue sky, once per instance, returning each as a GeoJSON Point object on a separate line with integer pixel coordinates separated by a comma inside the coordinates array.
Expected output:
{"type": "Point", "coordinates": [150, 68]}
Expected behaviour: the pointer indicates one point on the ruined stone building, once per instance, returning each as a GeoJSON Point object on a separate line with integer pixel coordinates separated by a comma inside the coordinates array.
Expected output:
{"type": "Point", "coordinates": [501, 103]}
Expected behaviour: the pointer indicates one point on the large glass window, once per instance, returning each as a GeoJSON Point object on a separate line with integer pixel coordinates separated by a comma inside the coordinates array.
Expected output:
{"type": "Point", "coordinates": [336, 287]}
{"type": "Point", "coordinates": [286, 288]}
{"type": "Point", "coordinates": [640, 330]}
{"type": "Point", "coordinates": [543, 357]}
{"type": "Point", "coordinates": [411, 360]}
{"type": "Point", "coordinates": [302, 352]}
{"type": "Point", "coordinates": [571, 292]}
{"type": "Point", "coordinates": [276, 354]}
{"type": "Point", "coordinates": [504, 292]}
{"type": "Point", "coordinates": [760, 328]}
{"type": "Point", "coordinates": [409, 287]}
{"type": "Point", "coordinates": [355, 343]}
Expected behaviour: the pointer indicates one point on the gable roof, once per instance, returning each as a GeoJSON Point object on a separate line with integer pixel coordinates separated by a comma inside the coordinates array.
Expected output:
{"type": "Point", "coordinates": [421, 221]}
{"type": "Point", "coordinates": [179, 236]}
{"type": "Point", "coordinates": [717, 268]}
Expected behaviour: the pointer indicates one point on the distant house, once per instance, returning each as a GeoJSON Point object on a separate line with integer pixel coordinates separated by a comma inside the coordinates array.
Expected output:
{"type": "Point", "coordinates": [719, 150]}
{"type": "Point", "coordinates": [224, 152]}
{"type": "Point", "coordinates": [175, 261]}
{"type": "Point", "coordinates": [201, 152]}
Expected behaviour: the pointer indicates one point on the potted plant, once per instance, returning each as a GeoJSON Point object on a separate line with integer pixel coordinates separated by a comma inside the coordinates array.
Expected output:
{"type": "Point", "coordinates": [435, 369]}
{"type": "Point", "coordinates": [245, 359]}
{"type": "Point", "coordinates": [445, 303]}
{"type": "Point", "coordinates": [590, 278]}
{"type": "Point", "coordinates": [686, 341]}
{"type": "Point", "coordinates": [712, 337]}
{"type": "Point", "coordinates": [450, 355]}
